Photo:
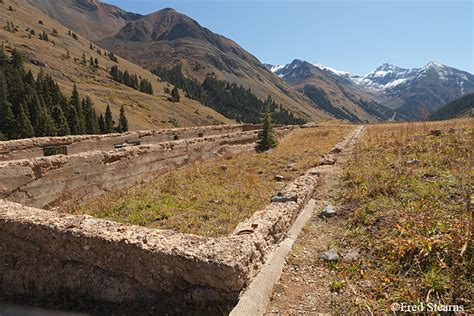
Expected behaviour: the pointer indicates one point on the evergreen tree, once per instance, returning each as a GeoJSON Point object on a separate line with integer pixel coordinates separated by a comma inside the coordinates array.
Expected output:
{"type": "Point", "coordinates": [60, 121]}
{"type": "Point", "coordinates": [46, 126]}
{"type": "Point", "coordinates": [109, 121]}
{"type": "Point", "coordinates": [266, 138]}
{"type": "Point", "coordinates": [77, 105]}
{"type": "Point", "coordinates": [3, 56]}
{"type": "Point", "coordinates": [92, 126]}
{"type": "Point", "coordinates": [7, 120]}
{"type": "Point", "coordinates": [24, 127]}
{"type": "Point", "coordinates": [175, 95]}
{"type": "Point", "coordinates": [123, 122]}
{"type": "Point", "coordinates": [101, 123]}
{"type": "Point", "coordinates": [73, 120]}
{"type": "Point", "coordinates": [16, 60]}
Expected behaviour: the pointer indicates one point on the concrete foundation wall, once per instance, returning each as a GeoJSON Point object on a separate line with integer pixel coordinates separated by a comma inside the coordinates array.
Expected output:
{"type": "Point", "coordinates": [48, 182]}
{"type": "Point", "coordinates": [45, 254]}
{"type": "Point", "coordinates": [33, 147]}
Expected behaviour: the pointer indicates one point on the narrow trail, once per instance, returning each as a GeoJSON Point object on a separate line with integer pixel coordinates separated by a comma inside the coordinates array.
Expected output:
{"type": "Point", "coordinates": [304, 285]}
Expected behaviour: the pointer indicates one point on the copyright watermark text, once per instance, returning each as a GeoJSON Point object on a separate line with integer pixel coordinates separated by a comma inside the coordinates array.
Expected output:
{"type": "Point", "coordinates": [425, 307]}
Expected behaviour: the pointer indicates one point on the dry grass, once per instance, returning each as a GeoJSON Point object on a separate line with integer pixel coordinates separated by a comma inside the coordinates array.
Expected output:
{"type": "Point", "coordinates": [206, 200]}
{"type": "Point", "coordinates": [411, 221]}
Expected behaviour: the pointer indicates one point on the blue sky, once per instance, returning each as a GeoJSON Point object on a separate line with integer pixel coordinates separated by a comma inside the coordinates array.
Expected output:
{"type": "Point", "coordinates": [355, 36]}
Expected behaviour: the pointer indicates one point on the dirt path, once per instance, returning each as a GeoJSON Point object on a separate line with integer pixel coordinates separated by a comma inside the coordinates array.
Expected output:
{"type": "Point", "coordinates": [305, 284]}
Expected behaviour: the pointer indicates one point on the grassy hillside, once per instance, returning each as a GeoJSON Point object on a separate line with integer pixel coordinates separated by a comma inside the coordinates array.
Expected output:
{"type": "Point", "coordinates": [458, 108]}
{"type": "Point", "coordinates": [167, 38]}
{"type": "Point", "coordinates": [61, 57]}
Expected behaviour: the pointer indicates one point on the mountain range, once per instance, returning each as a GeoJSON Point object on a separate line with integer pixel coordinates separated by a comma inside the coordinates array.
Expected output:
{"type": "Point", "coordinates": [166, 38]}
{"type": "Point", "coordinates": [147, 44]}
{"type": "Point", "coordinates": [412, 93]}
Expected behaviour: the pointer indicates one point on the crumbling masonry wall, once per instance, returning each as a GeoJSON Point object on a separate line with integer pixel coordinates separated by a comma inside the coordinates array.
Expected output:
{"type": "Point", "coordinates": [33, 147]}
{"type": "Point", "coordinates": [47, 182]}
{"type": "Point", "coordinates": [44, 254]}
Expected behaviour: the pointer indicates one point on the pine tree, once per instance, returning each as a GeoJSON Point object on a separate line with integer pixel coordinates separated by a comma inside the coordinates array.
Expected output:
{"type": "Point", "coordinates": [175, 95]}
{"type": "Point", "coordinates": [92, 126]}
{"type": "Point", "coordinates": [24, 127]}
{"type": "Point", "coordinates": [266, 138]}
{"type": "Point", "coordinates": [123, 122]}
{"type": "Point", "coordinates": [7, 120]}
{"type": "Point", "coordinates": [77, 105]}
{"type": "Point", "coordinates": [3, 56]}
{"type": "Point", "coordinates": [60, 121]}
{"type": "Point", "coordinates": [16, 60]}
{"type": "Point", "coordinates": [109, 121]}
{"type": "Point", "coordinates": [73, 120]}
{"type": "Point", "coordinates": [101, 123]}
{"type": "Point", "coordinates": [46, 125]}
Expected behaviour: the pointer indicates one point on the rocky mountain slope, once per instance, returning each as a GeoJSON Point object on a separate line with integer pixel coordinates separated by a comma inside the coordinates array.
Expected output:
{"type": "Point", "coordinates": [61, 56]}
{"type": "Point", "coordinates": [167, 38]}
{"type": "Point", "coordinates": [339, 97]}
{"type": "Point", "coordinates": [412, 92]}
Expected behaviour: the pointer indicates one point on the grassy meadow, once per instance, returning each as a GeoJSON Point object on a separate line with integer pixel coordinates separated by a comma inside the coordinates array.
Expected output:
{"type": "Point", "coordinates": [407, 196]}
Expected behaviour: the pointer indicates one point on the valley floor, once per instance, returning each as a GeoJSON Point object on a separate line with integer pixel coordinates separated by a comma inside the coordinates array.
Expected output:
{"type": "Point", "coordinates": [403, 229]}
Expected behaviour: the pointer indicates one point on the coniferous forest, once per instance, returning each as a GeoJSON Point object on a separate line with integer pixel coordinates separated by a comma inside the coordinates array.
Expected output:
{"type": "Point", "coordinates": [229, 99]}
{"type": "Point", "coordinates": [131, 80]}
{"type": "Point", "coordinates": [35, 107]}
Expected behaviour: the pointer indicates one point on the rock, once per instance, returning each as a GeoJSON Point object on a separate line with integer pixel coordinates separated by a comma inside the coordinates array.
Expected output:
{"type": "Point", "coordinates": [224, 167]}
{"type": "Point", "coordinates": [453, 130]}
{"type": "Point", "coordinates": [279, 178]}
{"type": "Point", "coordinates": [292, 167]}
{"type": "Point", "coordinates": [330, 255]}
{"type": "Point", "coordinates": [328, 211]}
{"type": "Point", "coordinates": [336, 150]}
{"type": "Point", "coordinates": [352, 255]}
{"type": "Point", "coordinates": [436, 132]}
{"type": "Point", "coordinates": [309, 125]}
{"type": "Point", "coordinates": [283, 199]}
{"type": "Point", "coordinates": [413, 162]}
{"type": "Point", "coordinates": [327, 160]}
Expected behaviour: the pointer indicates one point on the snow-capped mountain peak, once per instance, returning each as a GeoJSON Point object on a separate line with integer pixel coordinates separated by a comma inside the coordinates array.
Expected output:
{"type": "Point", "coordinates": [275, 68]}
{"type": "Point", "coordinates": [434, 64]}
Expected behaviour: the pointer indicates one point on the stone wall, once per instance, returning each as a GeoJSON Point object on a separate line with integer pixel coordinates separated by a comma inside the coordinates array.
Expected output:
{"type": "Point", "coordinates": [58, 256]}
{"type": "Point", "coordinates": [47, 182]}
{"type": "Point", "coordinates": [33, 147]}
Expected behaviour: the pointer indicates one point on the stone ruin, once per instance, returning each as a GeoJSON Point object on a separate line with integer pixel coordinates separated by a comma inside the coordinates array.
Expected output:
{"type": "Point", "coordinates": [46, 255]}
